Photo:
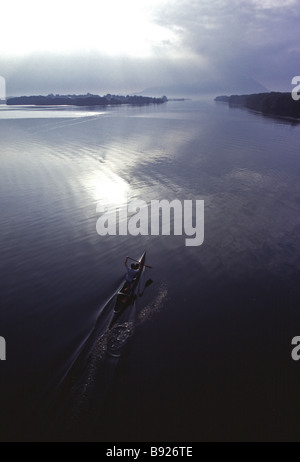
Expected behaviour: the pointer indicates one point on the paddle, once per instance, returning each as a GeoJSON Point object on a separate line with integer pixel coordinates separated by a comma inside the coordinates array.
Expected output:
{"type": "Point", "coordinates": [148, 284]}
{"type": "Point", "coordinates": [146, 266]}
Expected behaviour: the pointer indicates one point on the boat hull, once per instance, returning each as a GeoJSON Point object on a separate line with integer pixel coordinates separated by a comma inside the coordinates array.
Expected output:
{"type": "Point", "coordinates": [125, 298]}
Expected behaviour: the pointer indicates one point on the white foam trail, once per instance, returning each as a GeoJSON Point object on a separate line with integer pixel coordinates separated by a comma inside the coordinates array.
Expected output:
{"type": "Point", "coordinates": [154, 307]}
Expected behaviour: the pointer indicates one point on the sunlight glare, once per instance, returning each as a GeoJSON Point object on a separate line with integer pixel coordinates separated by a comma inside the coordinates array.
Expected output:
{"type": "Point", "coordinates": [108, 188]}
{"type": "Point", "coordinates": [111, 27]}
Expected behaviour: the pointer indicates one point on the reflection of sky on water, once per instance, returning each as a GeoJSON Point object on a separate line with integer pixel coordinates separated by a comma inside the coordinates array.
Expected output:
{"type": "Point", "coordinates": [56, 270]}
{"type": "Point", "coordinates": [107, 188]}
{"type": "Point", "coordinates": [40, 112]}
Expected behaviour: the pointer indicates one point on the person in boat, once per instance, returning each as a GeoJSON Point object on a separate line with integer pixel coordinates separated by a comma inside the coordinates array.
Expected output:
{"type": "Point", "coordinates": [132, 272]}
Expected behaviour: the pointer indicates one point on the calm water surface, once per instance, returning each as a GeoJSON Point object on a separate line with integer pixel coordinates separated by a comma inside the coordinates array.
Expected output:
{"type": "Point", "coordinates": [205, 354]}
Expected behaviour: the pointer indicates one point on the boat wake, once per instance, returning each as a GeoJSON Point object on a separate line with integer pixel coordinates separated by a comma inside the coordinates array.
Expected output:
{"type": "Point", "coordinates": [88, 382]}
{"type": "Point", "coordinates": [153, 307]}
{"type": "Point", "coordinates": [118, 337]}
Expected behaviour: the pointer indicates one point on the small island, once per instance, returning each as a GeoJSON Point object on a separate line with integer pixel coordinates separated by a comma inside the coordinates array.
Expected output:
{"type": "Point", "coordinates": [84, 100]}
{"type": "Point", "coordinates": [276, 104]}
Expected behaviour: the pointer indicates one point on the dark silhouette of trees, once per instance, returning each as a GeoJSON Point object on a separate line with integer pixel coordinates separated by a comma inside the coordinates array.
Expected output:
{"type": "Point", "coordinates": [278, 104]}
{"type": "Point", "coordinates": [83, 100]}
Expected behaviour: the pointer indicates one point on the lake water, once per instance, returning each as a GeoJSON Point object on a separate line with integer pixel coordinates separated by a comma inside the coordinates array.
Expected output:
{"type": "Point", "coordinates": [205, 354]}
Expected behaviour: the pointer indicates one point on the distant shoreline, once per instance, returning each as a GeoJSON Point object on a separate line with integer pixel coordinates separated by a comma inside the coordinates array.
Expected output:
{"type": "Point", "coordinates": [83, 100]}
{"type": "Point", "coordinates": [275, 104]}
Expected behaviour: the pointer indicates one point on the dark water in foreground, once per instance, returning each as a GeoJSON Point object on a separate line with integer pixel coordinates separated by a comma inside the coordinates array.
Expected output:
{"type": "Point", "coordinates": [205, 354]}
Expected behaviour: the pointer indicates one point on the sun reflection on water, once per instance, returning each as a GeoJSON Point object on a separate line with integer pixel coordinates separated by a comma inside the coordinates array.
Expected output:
{"type": "Point", "coordinates": [108, 188]}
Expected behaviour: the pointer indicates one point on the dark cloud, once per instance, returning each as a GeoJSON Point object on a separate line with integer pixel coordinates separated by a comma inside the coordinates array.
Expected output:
{"type": "Point", "coordinates": [258, 39]}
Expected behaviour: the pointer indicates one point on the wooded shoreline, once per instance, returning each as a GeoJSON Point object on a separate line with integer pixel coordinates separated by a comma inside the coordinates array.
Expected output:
{"type": "Point", "coordinates": [277, 104]}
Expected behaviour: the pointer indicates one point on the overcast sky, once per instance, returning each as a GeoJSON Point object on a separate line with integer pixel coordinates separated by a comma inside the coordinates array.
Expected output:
{"type": "Point", "coordinates": [71, 46]}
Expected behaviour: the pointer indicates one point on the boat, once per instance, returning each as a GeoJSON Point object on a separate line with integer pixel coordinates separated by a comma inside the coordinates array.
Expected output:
{"type": "Point", "coordinates": [126, 297]}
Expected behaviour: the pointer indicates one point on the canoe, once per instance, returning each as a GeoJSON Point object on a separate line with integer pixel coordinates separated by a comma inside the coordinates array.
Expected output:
{"type": "Point", "coordinates": [125, 297]}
